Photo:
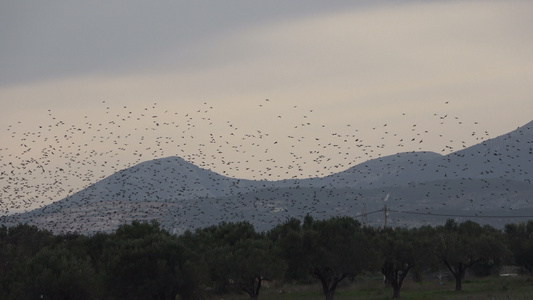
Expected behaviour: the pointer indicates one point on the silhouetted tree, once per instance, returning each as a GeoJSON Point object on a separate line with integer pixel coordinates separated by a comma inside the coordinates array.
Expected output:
{"type": "Point", "coordinates": [18, 245]}
{"type": "Point", "coordinates": [56, 272]}
{"type": "Point", "coordinates": [520, 240]}
{"type": "Point", "coordinates": [288, 237]}
{"type": "Point", "coordinates": [336, 249]}
{"type": "Point", "coordinates": [460, 246]}
{"type": "Point", "coordinates": [144, 261]}
{"type": "Point", "coordinates": [398, 255]}
{"type": "Point", "coordinates": [239, 258]}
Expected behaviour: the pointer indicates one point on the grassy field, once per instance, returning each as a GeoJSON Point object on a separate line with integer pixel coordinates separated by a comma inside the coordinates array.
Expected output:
{"type": "Point", "coordinates": [494, 287]}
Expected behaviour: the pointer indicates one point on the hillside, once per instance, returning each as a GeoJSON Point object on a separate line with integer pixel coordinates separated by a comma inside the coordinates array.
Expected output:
{"type": "Point", "coordinates": [490, 178]}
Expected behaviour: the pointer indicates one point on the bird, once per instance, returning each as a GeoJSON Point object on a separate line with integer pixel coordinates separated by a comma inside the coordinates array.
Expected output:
{"type": "Point", "coordinates": [181, 167]}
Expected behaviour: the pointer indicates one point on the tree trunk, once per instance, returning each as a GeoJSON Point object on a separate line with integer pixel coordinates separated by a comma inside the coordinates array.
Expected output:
{"type": "Point", "coordinates": [458, 271]}
{"type": "Point", "coordinates": [330, 295]}
{"type": "Point", "coordinates": [395, 276]}
{"type": "Point", "coordinates": [328, 289]}
{"type": "Point", "coordinates": [458, 281]}
{"type": "Point", "coordinates": [395, 291]}
{"type": "Point", "coordinates": [329, 280]}
{"type": "Point", "coordinates": [254, 286]}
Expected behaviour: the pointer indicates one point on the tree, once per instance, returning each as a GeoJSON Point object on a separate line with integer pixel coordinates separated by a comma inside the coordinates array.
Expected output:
{"type": "Point", "coordinates": [520, 240]}
{"type": "Point", "coordinates": [425, 250]}
{"type": "Point", "coordinates": [336, 249]}
{"type": "Point", "coordinates": [144, 261]}
{"type": "Point", "coordinates": [18, 244]}
{"type": "Point", "coordinates": [398, 255]}
{"type": "Point", "coordinates": [404, 251]}
{"type": "Point", "coordinates": [288, 238]}
{"type": "Point", "coordinates": [56, 272]}
{"type": "Point", "coordinates": [255, 260]}
{"type": "Point", "coordinates": [461, 246]}
{"type": "Point", "coordinates": [239, 258]}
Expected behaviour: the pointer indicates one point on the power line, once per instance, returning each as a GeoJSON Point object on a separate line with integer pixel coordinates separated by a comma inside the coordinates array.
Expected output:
{"type": "Point", "coordinates": [369, 213]}
{"type": "Point", "coordinates": [385, 216]}
{"type": "Point", "coordinates": [365, 216]}
{"type": "Point", "coordinates": [453, 215]}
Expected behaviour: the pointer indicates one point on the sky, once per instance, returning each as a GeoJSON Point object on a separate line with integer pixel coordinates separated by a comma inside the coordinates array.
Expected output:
{"type": "Point", "coordinates": [252, 89]}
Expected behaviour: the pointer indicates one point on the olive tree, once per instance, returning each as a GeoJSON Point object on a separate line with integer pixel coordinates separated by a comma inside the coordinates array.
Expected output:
{"type": "Point", "coordinates": [461, 246]}
{"type": "Point", "coordinates": [336, 249]}
{"type": "Point", "coordinates": [520, 240]}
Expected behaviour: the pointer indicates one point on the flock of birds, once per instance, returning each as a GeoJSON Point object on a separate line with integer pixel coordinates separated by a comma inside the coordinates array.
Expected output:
{"type": "Point", "coordinates": [182, 167]}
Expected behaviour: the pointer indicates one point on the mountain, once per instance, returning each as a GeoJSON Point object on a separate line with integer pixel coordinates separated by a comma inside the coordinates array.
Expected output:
{"type": "Point", "coordinates": [489, 182]}
{"type": "Point", "coordinates": [164, 179]}
{"type": "Point", "coordinates": [508, 156]}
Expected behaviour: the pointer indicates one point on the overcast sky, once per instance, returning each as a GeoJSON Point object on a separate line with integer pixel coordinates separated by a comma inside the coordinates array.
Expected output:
{"type": "Point", "coordinates": [397, 75]}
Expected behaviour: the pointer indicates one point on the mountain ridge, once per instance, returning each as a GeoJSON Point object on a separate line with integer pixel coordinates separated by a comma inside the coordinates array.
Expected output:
{"type": "Point", "coordinates": [184, 196]}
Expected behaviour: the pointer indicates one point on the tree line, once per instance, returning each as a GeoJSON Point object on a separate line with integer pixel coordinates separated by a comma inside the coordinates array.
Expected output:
{"type": "Point", "coordinates": [141, 260]}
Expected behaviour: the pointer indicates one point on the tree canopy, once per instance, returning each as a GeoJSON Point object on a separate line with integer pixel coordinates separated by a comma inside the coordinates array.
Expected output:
{"type": "Point", "coordinates": [143, 261]}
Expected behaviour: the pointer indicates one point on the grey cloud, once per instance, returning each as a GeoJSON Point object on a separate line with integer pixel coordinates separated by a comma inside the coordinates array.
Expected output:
{"type": "Point", "coordinates": [43, 40]}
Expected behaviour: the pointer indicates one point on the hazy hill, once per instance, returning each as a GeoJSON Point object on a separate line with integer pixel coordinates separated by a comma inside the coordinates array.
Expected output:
{"type": "Point", "coordinates": [164, 179]}
{"type": "Point", "coordinates": [490, 178]}
{"type": "Point", "coordinates": [508, 156]}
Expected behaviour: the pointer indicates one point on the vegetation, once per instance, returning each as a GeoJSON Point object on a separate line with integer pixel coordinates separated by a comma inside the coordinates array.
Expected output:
{"type": "Point", "coordinates": [308, 259]}
{"type": "Point", "coordinates": [462, 246]}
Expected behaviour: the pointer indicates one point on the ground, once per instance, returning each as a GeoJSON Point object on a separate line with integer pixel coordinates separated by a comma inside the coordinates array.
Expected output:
{"type": "Point", "coordinates": [372, 288]}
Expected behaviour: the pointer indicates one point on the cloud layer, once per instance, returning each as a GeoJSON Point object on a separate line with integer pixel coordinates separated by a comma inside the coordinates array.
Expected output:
{"type": "Point", "coordinates": [363, 66]}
